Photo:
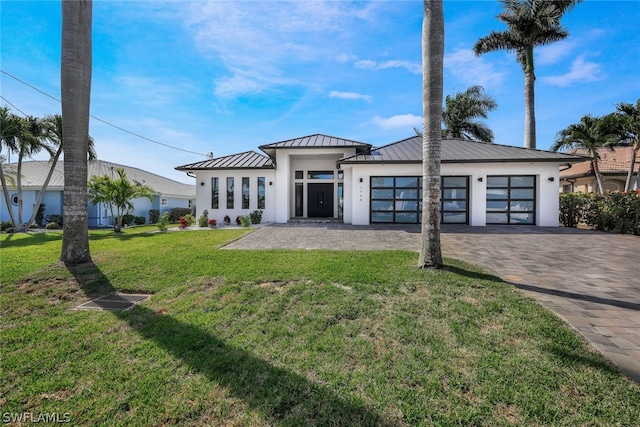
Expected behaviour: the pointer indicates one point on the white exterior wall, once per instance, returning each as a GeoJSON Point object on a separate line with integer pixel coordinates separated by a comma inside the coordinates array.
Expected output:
{"type": "Point", "coordinates": [203, 193]}
{"type": "Point", "coordinates": [305, 159]}
{"type": "Point", "coordinates": [547, 202]}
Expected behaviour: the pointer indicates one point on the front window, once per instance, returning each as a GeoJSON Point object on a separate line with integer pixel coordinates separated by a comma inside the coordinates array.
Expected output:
{"type": "Point", "coordinates": [261, 193]}
{"type": "Point", "coordinates": [215, 193]}
{"type": "Point", "coordinates": [229, 192]}
{"type": "Point", "coordinates": [164, 201]}
{"type": "Point", "coordinates": [245, 193]}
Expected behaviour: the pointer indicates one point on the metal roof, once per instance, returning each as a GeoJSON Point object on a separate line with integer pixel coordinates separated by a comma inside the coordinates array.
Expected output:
{"type": "Point", "coordinates": [458, 151]}
{"type": "Point", "coordinates": [34, 174]}
{"type": "Point", "coordinates": [246, 160]}
{"type": "Point", "coordinates": [314, 141]}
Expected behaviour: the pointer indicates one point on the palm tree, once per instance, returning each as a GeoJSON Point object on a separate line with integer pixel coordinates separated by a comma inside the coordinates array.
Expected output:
{"type": "Point", "coordinates": [9, 132]}
{"type": "Point", "coordinates": [30, 142]}
{"type": "Point", "coordinates": [75, 79]}
{"type": "Point", "coordinates": [461, 110]}
{"type": "Point", "coordinates": [629, 132]}
{"type": "Point", "coordinates": [530, 23]}
{"type": "Point", "coordinates": [590, 134]}
{"type": "Point", "coordinates": [53, 133]}
{"type": "Point", "coordinates": [432, 65]}
{"type": "Point", "coordinates": [116, 194]}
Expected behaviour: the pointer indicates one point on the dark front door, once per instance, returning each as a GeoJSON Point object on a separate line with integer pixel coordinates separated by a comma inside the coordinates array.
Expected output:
{"type": "Point", "coordinates": [320, 200]}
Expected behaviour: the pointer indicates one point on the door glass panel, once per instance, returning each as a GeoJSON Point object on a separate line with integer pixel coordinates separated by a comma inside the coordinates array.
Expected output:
{"type": "Point", "coordinates": [411, 182]}
{"type": "Point", "coordinates": [406, 194]}
{"type": "Point", "coordinates": [497, 181]}
{"type": "Point", "coordinates": [522, 193]}
{"type": "Point", "coordinates": [382, 205]}
{"type": "Point", "coordinates": [382, 216]}
{"type": "Point", "coordinates": [454, 218]}
{"type": "Point", "coordinates": [381, 194]}
{"type": "Point", "coordinates": [522, 218]}
{"type": "Point", "coordinates": [382, 182]}
{"type": "Point", "coordinates": [497, 193]}
{"type": "Point", "coordinates": [454, 193]}
{"type": "Point", "coordinates": [497, 218]}
{"type": "Point", "coordinates": [454, 181]}
{"type": "Point", "coordinates": [407, 217]}
{"type": "Point", "coordinates": [409, 205]}
{"type": "Point", "coordinates": [496, 205]}
{"type": "Point", "coordinates": [522, 181]}
{"type": "Point", "coordinates": [519, 205]}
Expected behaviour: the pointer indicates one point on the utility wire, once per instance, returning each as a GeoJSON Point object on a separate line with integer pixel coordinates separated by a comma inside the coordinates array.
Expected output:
{"type": "Point", "coordinates": [96, 118]}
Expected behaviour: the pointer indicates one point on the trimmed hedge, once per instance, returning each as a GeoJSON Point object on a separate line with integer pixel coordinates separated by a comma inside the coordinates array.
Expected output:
{"type": "Point", "coordinates": [176, 213]}
{"type": "Point", "coordinates": [613, 211]}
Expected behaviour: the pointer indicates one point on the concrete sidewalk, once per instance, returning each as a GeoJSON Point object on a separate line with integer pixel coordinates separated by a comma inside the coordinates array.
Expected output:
{"type": "Point", "coordinates": [591, 279]}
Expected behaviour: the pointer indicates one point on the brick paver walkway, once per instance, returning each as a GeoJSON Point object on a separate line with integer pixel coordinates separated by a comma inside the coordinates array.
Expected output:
{"type": "Point", "coordinates": [590, 279]}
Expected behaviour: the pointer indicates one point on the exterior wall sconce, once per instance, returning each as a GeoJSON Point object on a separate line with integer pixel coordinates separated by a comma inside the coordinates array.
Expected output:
{"type": "Point", "coordinates": [270, 183]}
{"type": "Point", "coordinates": [360, 179]}
{"type": "Point", "coordinates": [480, 179]}
{"type": "Point", "coordinates": [202, 183]}
{"type": "Point", "coordinates": [551, 179]}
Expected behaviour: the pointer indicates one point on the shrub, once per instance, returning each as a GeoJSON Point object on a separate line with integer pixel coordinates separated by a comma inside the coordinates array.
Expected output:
{"type": "Point", "coordinates": [154, 216]}
{"type": "Point", "coordinates": [571, 209]}
{"type": "Point", "coordinates": [4, 225]}
{"type": "Point", "coordinates": [33, 225]}
{"type": "Point", "coordinates": [245, 220]}
{"type": "Point", "coordinates": [139, 220]}
{"type": "Point", "coordinates": [40, 214]}
{"type": "Point", "coordinates": [127, 219]}
{"type": "Point", "coordinates": [163, 222]}
{"type": "Point", "coordinates": [239, 220]}
{"type": "Point", "coordinates": [55, 218]}
{"type": "Point", "coordinates": [184, 223]}
{"type": "Point", "coordinates": [10, 230]}
{"type": "Point", "coordinates": [212, 223]}
{"type": "Point", "coordinates": [227, 220]}
{"type": "Point", "coordinates": [256, 217]}
{"type": "Point", "coordinates": [191, 220]}
{"type": "Point", "coordinates": [53, 226]}
{"type": "Point", "coordinates": [176, 213]}
{"type": "Point", "coordinates": [203, 220]}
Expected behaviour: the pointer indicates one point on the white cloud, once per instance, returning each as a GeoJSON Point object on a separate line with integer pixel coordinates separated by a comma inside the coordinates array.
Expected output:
{"type": "Point", "coordinates": [349, 95]}
{"type": "Point", "coordinates": [582, 71]}
{"type": "Point", "coordinates": [552, 53]}
{"type": "Point", "coordinates": [257, 44]}
{"type": "Point", "coordinates": [472, 70]}
{"type": "Point", "coordinates": [368, 64]}
{"type": "Point", "coordinates": [398, 121]}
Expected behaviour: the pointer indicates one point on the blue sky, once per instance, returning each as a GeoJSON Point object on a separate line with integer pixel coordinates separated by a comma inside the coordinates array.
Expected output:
{"type": "Point", "coordinates": [228, 76]}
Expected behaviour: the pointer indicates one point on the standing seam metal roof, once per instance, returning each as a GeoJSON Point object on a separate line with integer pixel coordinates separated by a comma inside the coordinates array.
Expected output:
{"type": "Point", "coordinates": [315, 141]}
{"type": "Point", "coordinates": [458, 151]}
{"type": "Point", "coordinates": [245, 160]}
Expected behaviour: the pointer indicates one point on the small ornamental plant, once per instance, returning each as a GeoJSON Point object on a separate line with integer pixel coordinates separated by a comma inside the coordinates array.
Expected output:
{"type": "Point", "coordinates": [227, 219]}
{"type": "Point", "coordinates": [184, 223]}
{"type": "Point", "coordinates": [212, 223]}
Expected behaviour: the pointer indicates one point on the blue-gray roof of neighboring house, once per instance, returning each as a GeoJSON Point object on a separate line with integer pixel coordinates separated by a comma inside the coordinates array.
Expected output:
{"type": "Point", "coordinates": [34, 174]}
{"type": "Point", "coordinates": [458, 151]}
{"type": "Point", "coordinates": [315, 141]}
{"type": "Point", "coordinates": [246, 160]}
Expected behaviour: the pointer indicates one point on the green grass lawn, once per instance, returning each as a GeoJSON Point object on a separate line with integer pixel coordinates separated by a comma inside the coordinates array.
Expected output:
{"type": "Point", "coordinates": [290, 338]}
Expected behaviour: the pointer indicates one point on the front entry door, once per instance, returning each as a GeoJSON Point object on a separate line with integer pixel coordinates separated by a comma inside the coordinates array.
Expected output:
{"type": "Point", "coordinates": [320, 200]}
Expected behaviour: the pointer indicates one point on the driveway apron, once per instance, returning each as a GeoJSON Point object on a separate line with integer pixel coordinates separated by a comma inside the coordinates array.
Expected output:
{"type": "Point", "coordinates": [590, 279]}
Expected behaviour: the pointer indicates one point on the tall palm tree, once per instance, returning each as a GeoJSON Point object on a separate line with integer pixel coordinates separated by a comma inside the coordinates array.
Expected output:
{"type": "Point", "coordinates": [530, 23]}
{"type": "Point", "coordinates": [76, 67]}
{"type": "Point", "coordinates": [590, 134]}
{"type": "Point", "coordinates": [10, 128]}
{"type": "Point", "coordinates": [629, 121]}
{"type": "Point", "coordinates": [30, 142]}
{"type": "Point", "coordinates": [460, 112]}
{"type": "Point", "coordinates": [432, 65]}
{"type": "Point", "coordinates": [53, 133]}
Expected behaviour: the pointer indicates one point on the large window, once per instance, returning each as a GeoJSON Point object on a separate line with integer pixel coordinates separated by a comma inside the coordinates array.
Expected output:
{"type": "Point", "coordinates": [511, 199]}
{"type": "Point", "coordinates": [215, 193]}
{"type": "Point", "coordinates": [261, 193]}
{"type": "Point", "coordinates": [245, 193]}
{"type": "Point", "coordinates": [230, 192]}
{"type": "Point", "coordinates": [320, 175]}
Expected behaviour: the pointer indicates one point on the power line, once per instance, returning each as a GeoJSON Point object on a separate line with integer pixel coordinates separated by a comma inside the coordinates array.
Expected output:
{"type": "Point", "coordinates": [96, 118]}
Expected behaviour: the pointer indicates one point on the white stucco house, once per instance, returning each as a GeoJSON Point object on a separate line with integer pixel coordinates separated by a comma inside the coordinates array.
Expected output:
{"type": "Point", "coordinates": [320, 176]}
{"type": "Point", "coordinates": [167, 193]}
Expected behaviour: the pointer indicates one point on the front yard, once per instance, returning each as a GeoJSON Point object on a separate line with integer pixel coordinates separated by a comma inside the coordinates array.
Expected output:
{"type": "Point", "coordinates": [286, 338]}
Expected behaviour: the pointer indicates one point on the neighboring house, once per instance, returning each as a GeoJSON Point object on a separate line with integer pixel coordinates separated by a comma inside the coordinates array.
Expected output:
{"type": "Point", "coordinates": [320, 176]}
{"type": "Point", "coordinates": [614, 167]}
{"type": "Point", "coordinates": [167, 193]}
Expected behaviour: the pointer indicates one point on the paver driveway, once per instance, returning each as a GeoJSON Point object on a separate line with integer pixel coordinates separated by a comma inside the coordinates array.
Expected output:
{"type": "Point", "coordinates": [591, 279]}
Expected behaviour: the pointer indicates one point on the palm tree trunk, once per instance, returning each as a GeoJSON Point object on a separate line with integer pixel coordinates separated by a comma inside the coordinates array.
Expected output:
{"type": "Point", "coordinates": [529, 102]}
{"type": "Point", "coordinates": [432, 84]}
{"type": "Point", "coordinates": [596, 172]}
{"type": "Point", "coordinates": [20, 225]}
{"type": "Point", "coordinates": [7, 197]}
{"type": "Point", "coordinates": [36, 207]}
{"type": "Point", "coordinates": [632, 166]}
{"type": "Point", "coordinates": [76, 94]}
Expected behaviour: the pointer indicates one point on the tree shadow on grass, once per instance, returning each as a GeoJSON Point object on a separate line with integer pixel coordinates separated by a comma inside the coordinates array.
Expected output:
{"type": "Point", "coordinates": [280, 396]}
